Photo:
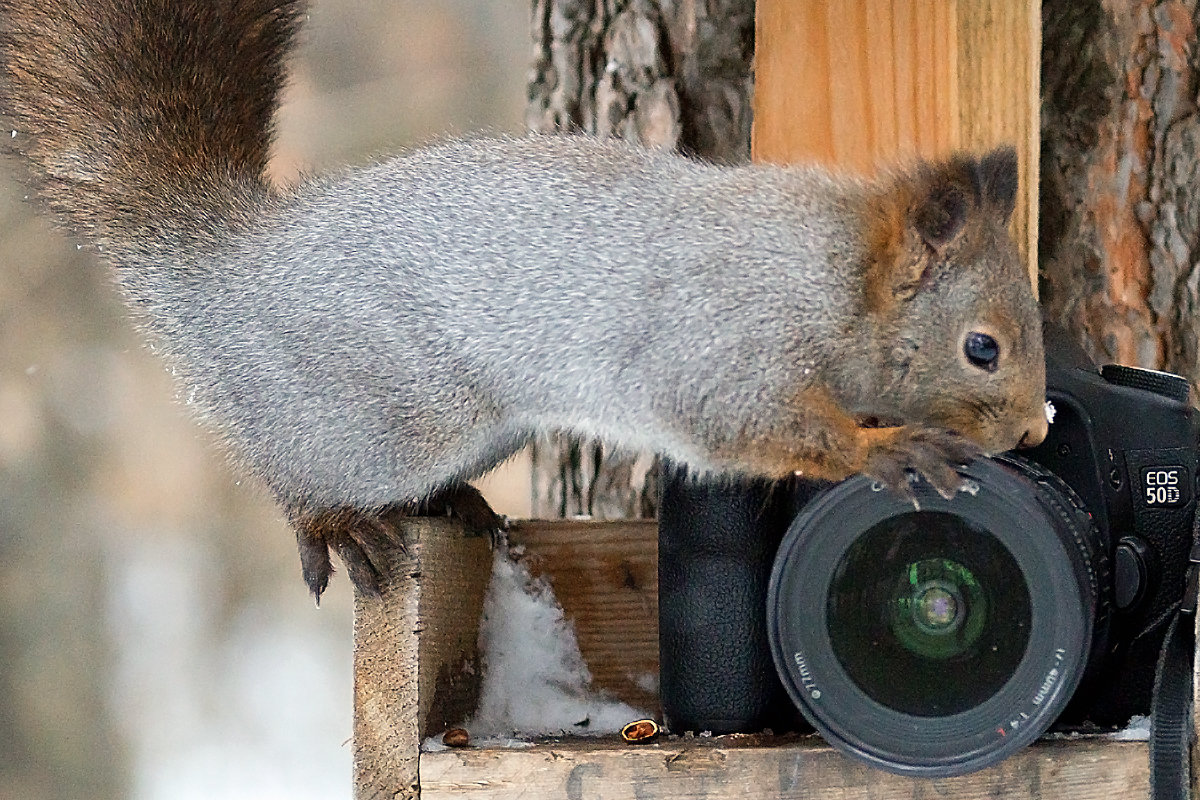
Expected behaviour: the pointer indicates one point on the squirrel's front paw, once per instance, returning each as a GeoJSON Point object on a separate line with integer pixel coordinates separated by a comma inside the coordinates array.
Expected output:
{"type": "Point", "coordinates": [932, 452]}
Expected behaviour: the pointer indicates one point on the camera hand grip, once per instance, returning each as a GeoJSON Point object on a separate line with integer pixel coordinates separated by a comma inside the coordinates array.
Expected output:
{"type": "Point", "coordinates": [717, 539]}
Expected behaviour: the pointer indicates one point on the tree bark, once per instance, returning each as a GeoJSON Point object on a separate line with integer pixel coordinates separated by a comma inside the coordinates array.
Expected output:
{"type": "Point", "coordinates": [674, 74]}
{"type": "Point", "coordinates": [1120, 216]}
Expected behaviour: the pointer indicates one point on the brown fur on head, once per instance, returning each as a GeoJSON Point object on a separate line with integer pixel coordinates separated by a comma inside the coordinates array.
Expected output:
{"type": "Point", "coordinates": [945, 288]}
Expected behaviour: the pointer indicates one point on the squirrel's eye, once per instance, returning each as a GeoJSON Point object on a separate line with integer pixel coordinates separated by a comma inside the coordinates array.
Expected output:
{"type": "Point", "coordinates": [982, 350]}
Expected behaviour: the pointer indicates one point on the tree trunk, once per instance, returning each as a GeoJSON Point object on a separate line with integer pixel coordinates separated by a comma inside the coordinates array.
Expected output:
{"type": "Point", "coordinates": [1120, 216]}
{"type": "Point", "coordinates": [666, 73]}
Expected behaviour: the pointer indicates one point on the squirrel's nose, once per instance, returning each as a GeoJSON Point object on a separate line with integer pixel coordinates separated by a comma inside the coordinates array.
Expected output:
{"type": "Point", "coordinates": [1036, 433]}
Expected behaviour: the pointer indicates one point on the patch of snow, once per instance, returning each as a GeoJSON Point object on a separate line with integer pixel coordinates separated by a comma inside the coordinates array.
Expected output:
{"type": "Point", "coordinates": [535, 682]}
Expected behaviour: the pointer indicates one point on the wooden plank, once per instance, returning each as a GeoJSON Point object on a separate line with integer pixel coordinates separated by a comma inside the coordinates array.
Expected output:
{"type": "Point", "coordinates": [753, 768]}
{"type": "Point", "coordinates": [605, 576]}
{"type": "Point", "coordinates": [415, 652]}
{"type": "Point", "coordinates": [855, 83]}
{"type": "Point", "coordinates": [999, 76]}
{"type": "Point", "coordinates": [862, 83]}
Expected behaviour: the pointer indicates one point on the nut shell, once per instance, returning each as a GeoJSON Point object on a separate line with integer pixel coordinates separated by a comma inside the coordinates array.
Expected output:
{"type": "Point", "coordinates": [456, 737]}
{"type": "Point", "coordinates": [640, 731]}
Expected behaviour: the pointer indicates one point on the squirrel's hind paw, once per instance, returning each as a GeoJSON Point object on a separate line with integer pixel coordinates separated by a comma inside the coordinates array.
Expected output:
{"type": "Point", "coordinates": [360, 539]}
{"type": "Point", "coordinates": [463, 502]}
{"type": "Point", "coordinates": [932, 452]}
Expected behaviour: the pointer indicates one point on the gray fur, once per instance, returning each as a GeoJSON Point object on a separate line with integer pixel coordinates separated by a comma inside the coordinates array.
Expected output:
{"type": "Point", "coordinates": [383, 332]}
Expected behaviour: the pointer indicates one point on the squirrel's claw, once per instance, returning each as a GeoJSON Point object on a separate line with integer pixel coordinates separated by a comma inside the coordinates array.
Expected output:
{"type": "Point", "coordinates": [315, 565]}
{"type": "Point", "coordinates": [359, 538]}
{"type": "Point", "coordinates": [933, 453]}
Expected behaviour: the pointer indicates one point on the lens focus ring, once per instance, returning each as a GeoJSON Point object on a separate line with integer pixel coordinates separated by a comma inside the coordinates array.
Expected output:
{"type": "Point", "coordinates": [940, 641]}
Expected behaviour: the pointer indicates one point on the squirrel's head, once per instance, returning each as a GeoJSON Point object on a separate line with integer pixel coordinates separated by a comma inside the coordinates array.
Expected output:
{"type": "Point", "coordinates": [950, 306]}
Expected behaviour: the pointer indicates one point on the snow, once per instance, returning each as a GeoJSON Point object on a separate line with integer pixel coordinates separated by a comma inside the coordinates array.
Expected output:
{"type": "Point", "coordinates": [1138, 730]}
{"type": "Point", "coordinates": [534, 680]}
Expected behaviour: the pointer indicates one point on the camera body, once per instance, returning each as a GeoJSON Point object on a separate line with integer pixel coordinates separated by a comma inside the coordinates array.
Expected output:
{"type": "Point", "coordinates": [1125, 440]}
{"type": "Point", "coordinates": [938, 637]}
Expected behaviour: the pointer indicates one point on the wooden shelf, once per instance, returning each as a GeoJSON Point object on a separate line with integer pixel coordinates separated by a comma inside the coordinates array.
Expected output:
{"type": "Point", "coordinates": [416, 672]}
{"type": "Point", "coordinates": [770, 768]}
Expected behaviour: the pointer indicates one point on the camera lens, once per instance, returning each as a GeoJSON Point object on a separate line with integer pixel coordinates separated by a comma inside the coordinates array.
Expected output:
{"type": "Point", "coordinates": [935, 640]}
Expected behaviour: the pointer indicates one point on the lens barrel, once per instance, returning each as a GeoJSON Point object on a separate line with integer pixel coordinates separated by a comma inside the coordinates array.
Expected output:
{"type": "Point", "coordinates": [938, 638]}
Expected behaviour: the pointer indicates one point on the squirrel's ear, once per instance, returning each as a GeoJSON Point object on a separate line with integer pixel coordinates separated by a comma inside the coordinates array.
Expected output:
{"type": "Point", "coordinates": [908, 222]}
{"type": "Point", "coordinates": [915, 217]}
{"type": "Point", "coordinates": [953, 187]}
{"type": "Point", "coordinates": [918, 214]}
{"type": "Point", "coordinates": [997, 173]}
{"type": "Point", "coordinates": [941, 214]}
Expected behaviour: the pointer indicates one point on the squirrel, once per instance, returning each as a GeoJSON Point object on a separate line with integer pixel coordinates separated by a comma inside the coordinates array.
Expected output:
{"type": "Point", "coordinates": [371, 340]}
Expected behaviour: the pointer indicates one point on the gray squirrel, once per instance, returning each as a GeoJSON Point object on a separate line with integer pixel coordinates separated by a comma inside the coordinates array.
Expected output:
{"type": "Point", "coordinates": [371, 340]}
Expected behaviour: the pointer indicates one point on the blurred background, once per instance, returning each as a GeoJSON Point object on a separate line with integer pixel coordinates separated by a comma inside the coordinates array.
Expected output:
{"type": "Point", "coordinates": [156, 640]}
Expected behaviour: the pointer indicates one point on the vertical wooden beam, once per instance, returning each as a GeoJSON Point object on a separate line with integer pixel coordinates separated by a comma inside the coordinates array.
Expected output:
{"type": "Point", "coordinates": [863, 83]}
{"type": "Point", "coordinates": [999, 44]}
{"type": "Point", "coordinates": [415, 659]}
{"type": "Point", "coordinates": [854, 83]}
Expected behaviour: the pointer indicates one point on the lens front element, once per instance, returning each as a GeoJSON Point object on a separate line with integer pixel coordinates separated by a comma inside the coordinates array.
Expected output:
{"type": "Point", "coordinates": [928, 615]}
{"type": "Point", "coordinates": [937, 608]}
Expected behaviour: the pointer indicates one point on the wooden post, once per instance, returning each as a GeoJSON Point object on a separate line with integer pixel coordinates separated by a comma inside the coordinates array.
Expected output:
{"type": "Point", "coordinates": [415, 659]}
{"type": "Point", "coordinates": [863, 83]}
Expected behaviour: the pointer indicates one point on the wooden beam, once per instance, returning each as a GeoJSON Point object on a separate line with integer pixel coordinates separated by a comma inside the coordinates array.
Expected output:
{"type": "Point", "coordinates": [415, 655]}
{"type": "Point", "coordinates": [862, 83]}
{"type": "Point", "coordinates": [775, 768]}
{"type": "Point", "coordinates": [999, 53]}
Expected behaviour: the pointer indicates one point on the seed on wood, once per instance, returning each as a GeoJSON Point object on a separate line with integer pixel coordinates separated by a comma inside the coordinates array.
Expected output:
{"type": "Point", "coordinates": [456, 737]}
{"type": "Point", "coordinates": [643, 730]}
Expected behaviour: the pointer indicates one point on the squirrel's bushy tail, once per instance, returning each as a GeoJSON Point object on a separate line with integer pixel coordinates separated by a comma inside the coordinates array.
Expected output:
{"type": "Point", "coordinates": [144, 117]}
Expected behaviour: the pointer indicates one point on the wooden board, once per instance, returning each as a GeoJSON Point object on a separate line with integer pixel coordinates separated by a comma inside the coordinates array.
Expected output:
{"type": "Point", "coordinates": [863, 83]}
{"type": "Point", "coordinates": [415, 652]}
{"type": "Point", "coordinates": [751, 768]}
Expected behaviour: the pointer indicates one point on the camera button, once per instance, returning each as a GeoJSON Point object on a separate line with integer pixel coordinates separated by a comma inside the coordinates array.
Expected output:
{"type": "Point", "coordinates": [1129, 582]}
{"type": "Point", "coordinates": [1165, 384]}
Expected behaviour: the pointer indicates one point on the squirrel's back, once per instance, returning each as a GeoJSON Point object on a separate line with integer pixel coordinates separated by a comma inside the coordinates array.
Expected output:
{"type": "Point", "coordinates": [510, 286]}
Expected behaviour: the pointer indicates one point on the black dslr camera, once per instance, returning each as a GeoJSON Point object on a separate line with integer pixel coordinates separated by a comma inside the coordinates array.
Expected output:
{"type": "Point", "coordinates": [936, 639]}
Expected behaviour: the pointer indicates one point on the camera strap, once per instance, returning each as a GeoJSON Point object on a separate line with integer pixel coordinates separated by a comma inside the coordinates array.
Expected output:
{"type": "Point", "coordinates": [1171, 706]}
